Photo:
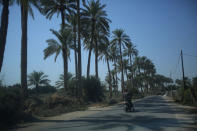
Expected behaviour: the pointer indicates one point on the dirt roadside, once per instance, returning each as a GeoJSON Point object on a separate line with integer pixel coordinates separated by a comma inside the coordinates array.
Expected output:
{"type": "Point", "coordinates": [48, 121]}
{"type": "Point", "coordinates": [190, 112]}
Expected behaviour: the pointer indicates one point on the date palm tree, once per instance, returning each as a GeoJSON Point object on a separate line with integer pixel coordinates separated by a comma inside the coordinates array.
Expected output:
{"type": "Point", "coordinates": [79, 47]}
{"type": "Point", "coordinates": [62, 7]}
{"type": "Point", "coordinates": [65, 38]}
{"type": "Point", "coordinates": [114, 55]}
{"type": "Point", "coordinates": [95, 16]}
{"type": "Point", "coordinates": [4, 28]}
{"type": "Point", "coordinates": [131, 51]}
{"type": "Point", "coordinates": [104, 48]}
{"type": "Point", "coordinates": [72, 24]}
{"type": "Point", "coordinates": [120, 39]}
{"type": "Point", "coordinates": [26, 7]}
{"type": "Point", "coordinates": [37, 79]}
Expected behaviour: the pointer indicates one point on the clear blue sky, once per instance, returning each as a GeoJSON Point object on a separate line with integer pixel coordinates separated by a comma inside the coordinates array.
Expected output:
{"type": "Point", "coordinates": [159, 29]}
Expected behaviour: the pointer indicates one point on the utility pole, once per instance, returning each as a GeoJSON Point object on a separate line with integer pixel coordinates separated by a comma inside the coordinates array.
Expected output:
{"type": "Point", "coordinates": [183, 75]}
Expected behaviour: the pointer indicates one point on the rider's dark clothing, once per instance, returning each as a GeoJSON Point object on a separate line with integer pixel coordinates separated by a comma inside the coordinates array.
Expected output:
{"type": "Point", "coordinates": [128, 98]}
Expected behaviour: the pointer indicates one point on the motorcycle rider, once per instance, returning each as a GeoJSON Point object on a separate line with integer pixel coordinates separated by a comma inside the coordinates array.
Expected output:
{"type": "Point", "coordinates": [128, 97]}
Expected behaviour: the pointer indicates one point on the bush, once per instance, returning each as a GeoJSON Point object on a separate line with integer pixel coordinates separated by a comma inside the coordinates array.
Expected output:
{"type": "Point", "coordinates": [11, 106]}
{"type": "Point", "coordinates": [93, 89]}
{"type": "Point", "coordinates": [54, 104]}
{"type": "Point", "coordinates": [113, 101]}
{"type": "Point", "coordinates": [187, 97]}
{"type": "Point", "coordinates": [42, 90]}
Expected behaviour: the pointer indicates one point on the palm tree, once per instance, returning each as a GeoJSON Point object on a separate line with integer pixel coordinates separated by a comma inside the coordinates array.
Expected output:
{"type": "Point", "coordinates": [26, 7]}
{"type": "Point", "coordinates": [79, 46]}
{"type": "Point", "coordinates": [101, 37]}
{"type": "Point", "coordinates": [95, 16]}
{"type": "Point", "coordinates": [114, 80]}
{"type": "Point", "coordinates": [65, 38]}
{"type": "Point", "coordinates": [60, 82]}
{"type": "Point", "coordinates": [126, 67]}
{"type": "Point", "coordinates": [114, 55]}
{"type": "Point", "coordinates": [37, 79]}
{"type": "Point", "coordinates": [131, 51]}
{"type": "Point", "coordinates": [72, 20]}
{"type": "Point", "coordinates": [120, 38]}
{"type": "Point", "coordinates": [51, 7]}
{"type": "Point", "coordinates": [146, 70]}
{"type": "Point", "coordinates": [4, 28]}
{"type": "Point", "coordinates": [103, 53]}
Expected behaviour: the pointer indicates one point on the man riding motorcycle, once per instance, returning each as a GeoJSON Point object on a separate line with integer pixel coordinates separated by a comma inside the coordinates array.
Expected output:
{"type": "Point", "coordinates": [128, 101]}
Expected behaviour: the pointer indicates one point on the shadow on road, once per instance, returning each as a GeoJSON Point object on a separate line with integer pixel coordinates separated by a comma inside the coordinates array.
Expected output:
{"type": "Point", "coordinates": [147, 116]}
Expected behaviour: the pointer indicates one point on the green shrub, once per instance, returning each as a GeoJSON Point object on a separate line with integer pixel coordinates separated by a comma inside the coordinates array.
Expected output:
{"type": "Point", "coordinates": [187, 97]}
{"type": "Point", "coordinates": [11, 106]}
{"type": "Point", "coordinates": [42, 90]}
{"type": "Point", "coordinates": [93, 89]}
{"type": "Point", "coordinates": [54, 104]}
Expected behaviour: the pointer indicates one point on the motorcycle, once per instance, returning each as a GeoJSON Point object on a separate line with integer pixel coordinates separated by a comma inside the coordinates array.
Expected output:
{"type": "Point", "coordinates": [129, 107]}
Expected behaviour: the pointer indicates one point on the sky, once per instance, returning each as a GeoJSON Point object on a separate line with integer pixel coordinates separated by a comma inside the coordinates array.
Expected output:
{"type": "Point", "coordinates": [159, 29]}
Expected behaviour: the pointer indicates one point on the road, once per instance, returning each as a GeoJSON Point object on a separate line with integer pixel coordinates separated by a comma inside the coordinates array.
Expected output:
{"type": "Point", "coordinates": [152, 114]}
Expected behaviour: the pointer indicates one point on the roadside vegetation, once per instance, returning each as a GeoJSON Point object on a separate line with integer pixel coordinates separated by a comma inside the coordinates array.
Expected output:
{"type": "Point", "coordinates": [87, 27]}
{"type": "Point", "coordinates": [187, 96]}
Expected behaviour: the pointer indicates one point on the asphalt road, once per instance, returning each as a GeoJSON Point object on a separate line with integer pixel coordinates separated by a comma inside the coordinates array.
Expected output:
{"type": "Point", "coordinates": [152, 114]}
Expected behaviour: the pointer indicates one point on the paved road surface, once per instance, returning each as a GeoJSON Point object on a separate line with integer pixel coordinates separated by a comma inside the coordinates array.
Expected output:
{"type": "Point", "coordinates": [152, 114]}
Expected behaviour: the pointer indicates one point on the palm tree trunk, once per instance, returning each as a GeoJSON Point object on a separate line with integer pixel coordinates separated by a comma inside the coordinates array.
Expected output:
{"type": "Point", "coordinates": [75, 46]}
{"type": "Point", "coordinates": [3, 30]}
{"type": "Point", "coordinates": [76, 63]}
{"type": "Point", "coordinates": [65, 61]}
{"type": "Point", "coordinates": [64, 53]}
{"type": "Point", "coordinates": [116, 75]}
{"type": "Point", "coordinates": [96, 58]}
{"type": "Point", "coordinates": [110, 85]}
{"type": "Point", "coordinates": [24, 17]}
{"type": "Point", "coordinates": [89, 57]}
{"type": "Point", "coordinates": [63, 18]}
{"type": "Point", "coordinates": [132, 72]}
{"type": "Point", "coordinates": [90, 50]}
{"type": "Point", "coordinates": [114, 83]}
{"type": "Point", "coordinates": [79, 46]}
{"type": "Point", "coordinates": [122, 74]}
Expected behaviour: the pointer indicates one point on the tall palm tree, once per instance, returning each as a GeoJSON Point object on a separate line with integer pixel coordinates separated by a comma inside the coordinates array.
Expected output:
{"type": "Point", "coordinates": [146, 71]}
{"type": "Point", "coordinates": [37, 79]}
{"type": "Point", "coordinates": [101, 37]}
{"type": "Point", "coordinates": [130, 51]}
{"type": "Point", "coordinates": [4, 28]}
{"type": "Point", "coordinates": [62, 7]}
{"type": "Point", "coordinates": [125, 67]}
{"type": "Point", "coordinates": [104, 48]}
{"type": "Point", "coordinates": [79, 47]}
{"type": "Point", "coordinates": [26, 7]}
{"type": "Point", "coordinates": [65, 38]}
{"type": "Point", "coordinates": [72, 20]}
{"type": "Point", "coordinates": [114, 55]}
{"type": "Point", "coordinates": [121, 39]}
{"type": "Point", "coordinates": [95, 15]}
